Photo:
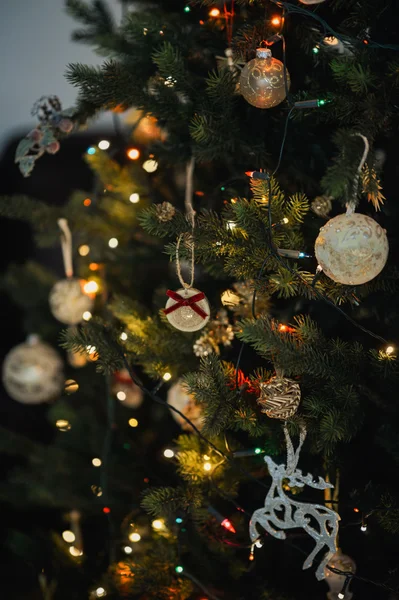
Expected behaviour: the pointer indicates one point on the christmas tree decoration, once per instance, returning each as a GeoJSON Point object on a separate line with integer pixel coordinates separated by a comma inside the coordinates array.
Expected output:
{"type": "Point", "coordinates": [219, 332]}
{"type": "Point", "coordinates": [187, 309]}
{"type": "Point", "coordinates": [126, 391]}
{"type": "Point", "coordinates": [148, 131]}
{"type": "Point", "coordinates": [33, 372]}
{"type": "Point", "coordinates": [179, 398]}
{"type": "Point", "coordinates": [239, 299]}
{"type": "Point", "coordinates": [77, 359]}
{"type": "Point", "coordinates": [352, 248]}
{"type": "Point", "coordinates": [262, 80]}
{"type": "Point", "coordinates": [322, 206]}
{"type": "Point", "coordinates": [165, 212]}
{"type": "Point", "coordinates": [54, 122]}
{"type": "Point", "coordinates": [335, 581]}
{"type": "Point", "coordinates": [282, 512]}
{"type": "Point", "coordinates": [279, 397]}
{"type": "Point", "coordinates": [68, 299]}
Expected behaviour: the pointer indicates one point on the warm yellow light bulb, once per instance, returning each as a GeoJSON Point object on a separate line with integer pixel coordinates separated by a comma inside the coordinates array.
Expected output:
{"type": "Point", "coordinates": [158, 524]}
{"type": "Point", "coordinates": [100, 592]}
{"type": "Point", "coordinates": [104, 144]}
{"type": "Point", "coordinates": [134, 198]}
{"type": "Point", "coordinates": [168, 453]}
{"type": "Point", "coordinates": [123, 336]}
{"type": "Point", "coordinates": [68, 536]}
{"type": "Point", "coordinates": [113, 242]}
{"type": "Point", "coordinates": [214, 12]}
{"type": "Point", "coordinates": [389, 350]}
{"type": "Point", "coordinates": [87, 315]}
{"type": "Point", "coordinates": [84, 250]}
{"type": "Point", "coordinates": [128, 549]}
{"type": "Point", "coordinates": [206, 457]}
{"type": "Point", "coordinates": [96, 462]}
{"type": "Point", "coordinates": [133, 153]}
{"type": "Point", "coordinates": [166, 376]}
{"type": "Point", "coordinates": [121, 396]}
{"type": "Point", "coordinates": [207, 466]}
{"type": "Point", "coordinates": [150, 165]}
{"type": "Point", "coordinates": [133, 422]}
{"type": "Point", "coordinates": [75, 551]}
{"type": "Point", "coordinates": [63, 424]}
{"type": "Point", "coordinates": [285, 220]}
{"type": "Point", "coordinates": [135, 537]}
{"type": "Point", "coordinates": [90, 287]}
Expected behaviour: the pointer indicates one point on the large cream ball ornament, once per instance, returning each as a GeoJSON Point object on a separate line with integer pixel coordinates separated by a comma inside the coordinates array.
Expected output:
{"type": "Point", "coordinates": [262, 80]}
{"type": "Point", "coordinates": [33, 372]}
{"type": "Point", "coordinates": [352, 248]}
{"type": "Point", "coordinates": [68, 301]}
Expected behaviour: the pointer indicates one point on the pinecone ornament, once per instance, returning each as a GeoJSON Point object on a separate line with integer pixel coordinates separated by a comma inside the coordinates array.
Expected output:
{"type": "Point", "coordinates": [279, 397]}
{"type": "Point", "coordinates": [322, 206]}
{"type": "Point", "coordinates": [165, 212]}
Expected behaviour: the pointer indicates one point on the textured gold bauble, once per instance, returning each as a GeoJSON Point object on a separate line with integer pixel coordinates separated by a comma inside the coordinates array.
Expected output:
{"type": "Point", "coordinates": [279, 397]}
{"type": "Point", "coordinates": [68, 301]}
{"type": "Point", "coordinates": [262, 80]}
{"type": "Point", "coordinates": [179, 398]}
{"type": "Point", "coordinates": [185, 318]}
{"type": "Point", "coordinates": [32, 372]}
{"type": "Point", "coordinates": [352, 249]}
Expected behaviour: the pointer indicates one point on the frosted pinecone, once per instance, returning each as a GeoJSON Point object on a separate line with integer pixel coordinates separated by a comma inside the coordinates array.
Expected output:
{"type": "Point", "coordinates": [165, 212]}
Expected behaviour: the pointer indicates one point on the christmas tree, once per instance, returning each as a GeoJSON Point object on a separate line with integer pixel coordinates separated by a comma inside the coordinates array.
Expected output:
{"type": "Point", "coordinates": [222, 399]}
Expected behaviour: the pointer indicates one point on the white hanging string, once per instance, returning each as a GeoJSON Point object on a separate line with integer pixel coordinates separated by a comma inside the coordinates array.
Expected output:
{"type": "Point", "coordinates": [350, 207]}
{"type": "Point", "coordinates": [190, 215]}
{"type": "Point", "coordinates": [66, 246]}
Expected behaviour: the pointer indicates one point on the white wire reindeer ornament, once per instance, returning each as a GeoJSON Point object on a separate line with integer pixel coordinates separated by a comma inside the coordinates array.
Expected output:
{"type": "Point", "coordinates": [281, 512]}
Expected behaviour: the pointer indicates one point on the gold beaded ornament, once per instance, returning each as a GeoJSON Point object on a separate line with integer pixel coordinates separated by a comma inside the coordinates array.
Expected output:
{"type": "Point", "coordinates": [279, 397]}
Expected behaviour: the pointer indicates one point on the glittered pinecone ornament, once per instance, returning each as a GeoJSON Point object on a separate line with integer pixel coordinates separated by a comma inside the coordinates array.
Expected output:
{"type": "Point", "coordinates": [322, 206]}
{"type": "Point", "coordinates": [204, 346]}
{"type": "Point", "coordinates": [33, 372]}
{"type": "Point", "coordinates": [262, 80]}
{"type": "Point", "coordinates": [279, 397]}
{"type": "Point", "coordinates": [165, 212]}
{"type": "Point", "coordinates": [219, 332]}
{"type": "Point", "coordinates": [239, 299]}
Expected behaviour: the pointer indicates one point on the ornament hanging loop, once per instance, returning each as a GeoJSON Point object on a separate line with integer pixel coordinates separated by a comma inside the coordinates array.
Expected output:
{"type": "Point", "coordinates": [66, 246]}
{"type": "Point", "coordinates": [190, 216]}
{"type": "Point", "coordinates": [351, 205]}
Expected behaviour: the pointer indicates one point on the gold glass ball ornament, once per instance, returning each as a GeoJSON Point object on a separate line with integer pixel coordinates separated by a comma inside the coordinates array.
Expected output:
{"type": "Point", "coordinates": [32, 372]}
{"type": "Point", "coordinates": [262, 80]}
{"type": "Point", "coordinates": [187, 309]}
{"type": "Point", "coordinates": [279, 397]}
{"type": "Point", "coordinates": [68, 301]}
{"type": "Point", "coordinates": [179, 397]}
{"type": "Point", "coordinates": [352, 248]}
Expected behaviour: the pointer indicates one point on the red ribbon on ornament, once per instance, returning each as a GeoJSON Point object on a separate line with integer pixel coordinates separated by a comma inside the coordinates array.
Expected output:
{"type": "Point", "coordinates": [191, 302]}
